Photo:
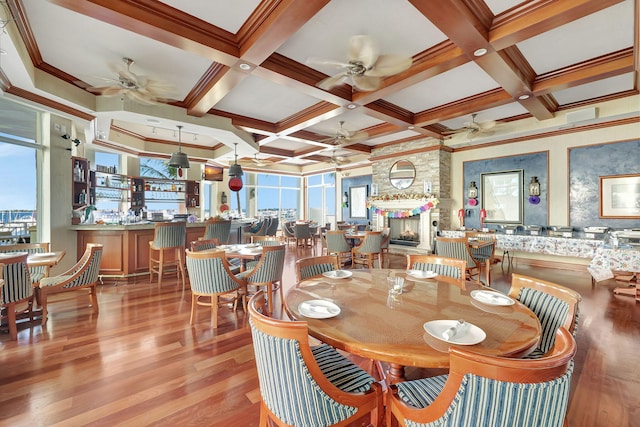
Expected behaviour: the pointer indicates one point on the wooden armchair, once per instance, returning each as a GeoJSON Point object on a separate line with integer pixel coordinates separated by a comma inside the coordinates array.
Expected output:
{"type": "Point", "coordinates": [491, 391]}
{"type": "Point", "coordinates": [458, 247]}
{"type": "Point", "coordinates": [217, 229]}
{"type": "Point", "coordinates": [367, 251]}
{"type": "Point", "coordinates": [315, 266]}
{"type": "Point", "coordinates": [554, 305]}
{"type": "Point", "coordinates": [15, 288]}
{"type": "Point", "coordinates": [337, 244]}
{"type": "Point", "coordinates": [268, 272]}
{"type": "Point", "coordinates": [449, 270]}
{"type": "Point", "coordinates": [305, 386]}
{"type": "Point", "coordinates": [211, 278]}
{"type": "Point", "coordinates": [83, 275]}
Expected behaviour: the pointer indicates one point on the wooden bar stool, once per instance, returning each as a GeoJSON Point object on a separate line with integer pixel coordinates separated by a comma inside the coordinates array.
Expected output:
{"type": "Point", "coordinates": [167, 236]}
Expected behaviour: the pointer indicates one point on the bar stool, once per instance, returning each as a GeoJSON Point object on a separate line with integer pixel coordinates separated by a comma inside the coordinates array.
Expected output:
{"type": "Point", "coordinates": [167, 236]}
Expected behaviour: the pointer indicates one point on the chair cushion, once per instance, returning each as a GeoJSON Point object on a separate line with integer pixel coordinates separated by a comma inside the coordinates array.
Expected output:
{"type": "Point", "coordinates": [421, 393]}
{"type": "Point", "coordinates": [52, 281]}
{"type": "Point", "coordinates": [340, 371]}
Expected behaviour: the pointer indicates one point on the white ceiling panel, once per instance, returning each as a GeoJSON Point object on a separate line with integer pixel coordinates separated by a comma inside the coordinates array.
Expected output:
{"type": "Point", "coordinates": [499, 6]}
{"type": "Point", "coordinates": [466, 80]}
{"type": "Point", "coordinates": [594, 35]}
{"type": "Point", "coordinates": [593, 90]}
{"type": "Point", "coordinates": [264, 100]}
{"type": "Point", "coordinates": [217, 12]}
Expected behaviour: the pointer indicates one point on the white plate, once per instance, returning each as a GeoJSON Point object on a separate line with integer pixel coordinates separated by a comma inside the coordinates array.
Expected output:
{"type": "Point", "coordinates": [252, 245]}
{"type": "Point", "coordinates": [491, 298]}
{"type": "Point", "coordinates": [337, 274]}
{"type": "Point", "coordinates": [419, 274]}
{"type": "Point", "coordinates": [318, 309]}
{"type": "Point", "coordinates": [469, 336]}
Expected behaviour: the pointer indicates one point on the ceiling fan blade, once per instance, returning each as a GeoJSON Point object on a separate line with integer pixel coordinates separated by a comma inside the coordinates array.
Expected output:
{"type": "Point", "coordinates": [388, 65]}
{"type": "Point", "coordinates": [366, 83]}
{"type": "Point", "coordinates": [487, 125]}
{"type": "Point", "coordinates": [358, 136]}
{"type": "Point", "coordinates": [323, 61]}
{"type": "Point", "coordinates": [363, 49]}
{"type": "Point", "coordinates": [333, 81]}
{"type": "Point", "coordinates": [107, 91]}
{"type": "Point", "coordinates": [138, 96]}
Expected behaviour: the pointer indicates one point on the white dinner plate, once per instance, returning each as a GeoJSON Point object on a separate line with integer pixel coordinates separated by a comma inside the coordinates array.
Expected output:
{"type": "Point", "coordinates": [470, 335]}
{"type": "Point", "coordinates": [491, 298]}
{"type": "Point", "coordinates": [252, 245]}
{"type": "Point", "coordinates": [419, 274]}
{"type": "Point", "coordinates": [318, 309]}
{"type": "Point", "coordinates": [337, 274]}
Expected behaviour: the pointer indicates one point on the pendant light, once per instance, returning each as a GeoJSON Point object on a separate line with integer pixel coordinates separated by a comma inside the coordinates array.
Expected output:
{"type": "Point", "coordinates": [235, 170]}
{"type": "Point", "coordinates": [179, 159]}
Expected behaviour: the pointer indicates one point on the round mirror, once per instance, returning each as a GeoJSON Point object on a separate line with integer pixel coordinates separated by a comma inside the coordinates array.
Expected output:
{"type": "Point", "coordinates": [402, 174]}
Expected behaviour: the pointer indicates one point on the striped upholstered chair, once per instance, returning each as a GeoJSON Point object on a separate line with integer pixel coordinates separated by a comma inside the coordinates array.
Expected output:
{"type": "Point", "coordinates": [554, 305]}
{"type": "Point", "coordinates": [217, 229]}
{"type": "Point", "coordinates": [268, 272]}
{"type": "Point", "coordinates": [315, 266]}
{"type": "Point", "coordinates": [458, 247]}
{"type": "Point", "coordinates": [484, 255]}
{"type": "Point", "coordinates": [337, 244]}
{"type": "Point", "coordinates": [16, 288]}
{"type": "Point", "coordinates": [212, 282]}
{"type": "Point", "coordinates": [305, 386]}
{"type": "Point", "coordinates": [208, 244]}
{"type": "Point", "coordinates": [449, 270]}
{"type": "Point", "coordinates": [169, 236]}
{"type": "Point", "coordinates": [85, 274]}
{"type": "Point", "coordinates": [491, 391]}
{"type": "Point", "coordinates": [367, 251]}
{"type": "Point", "coordinates": [37, 272]}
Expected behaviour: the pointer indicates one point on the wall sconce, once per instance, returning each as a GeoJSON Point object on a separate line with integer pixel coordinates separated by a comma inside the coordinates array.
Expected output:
{"type": "Point", "coordinates": [472, 192]}
{"type": "Point", "coordinates": [75, 141]}
{"type": "Point", "coordinates": [345, 200]}
{"type": "Point", "coordinates": [223, 198]}
{"type": "Point", "coordinates": [534, 191]}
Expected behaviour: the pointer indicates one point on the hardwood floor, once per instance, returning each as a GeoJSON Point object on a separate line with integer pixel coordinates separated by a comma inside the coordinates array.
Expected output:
{"type": "Point", "coordinates": [138, 362]}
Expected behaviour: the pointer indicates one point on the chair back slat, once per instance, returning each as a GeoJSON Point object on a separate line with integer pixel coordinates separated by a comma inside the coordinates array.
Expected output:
{"type": "Point", "coordinates": [217, 229]}
{"type": "Point", "coordinates": [209, 274]}
{"type": "Point", "coordinates": [336, 242]}
{"type": "Point", "coordinates": [17, 281]}
{"type": "Point", "coordinates": [270, 267]}
{"type": "Point", "coordinates": [170, 235]}
{"type": "Point", "coordinates": [90, 268]}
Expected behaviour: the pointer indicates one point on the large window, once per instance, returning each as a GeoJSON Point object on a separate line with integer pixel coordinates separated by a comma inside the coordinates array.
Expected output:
{"type": "Point", "coordinates": [272, 195]}
{"type": "Point", "coordinates": [18, 174]}
{"type": "Point", "coordinates": [321, 195]}
{"type": "Point", "coordinates": [108, 201]}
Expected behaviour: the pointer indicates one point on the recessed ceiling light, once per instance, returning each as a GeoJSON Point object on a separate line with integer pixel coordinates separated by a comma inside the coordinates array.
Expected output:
{"type": "Point", "coordinates": [480, 52]}
{"type": "Point", "coordinates": [245, 67]}
{"type": "Point", "coordinates": [351, 106]}
{"type": "Point", "coordinates": [411, 127]}
{"type": "Point", "coordinates": [524, 96]}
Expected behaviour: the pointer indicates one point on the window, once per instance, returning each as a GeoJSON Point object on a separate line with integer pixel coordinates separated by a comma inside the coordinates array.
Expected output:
{"type": "Point", "coordinates": [272, 195]}
{"type": "Point", "coordinates": [321, 195]}
{"type": "Point", "coordinates": [160, 200]}
{"type": "Point", "coordinates": [18, 151]}
{"type": "Point", "coordinates": [108, 200]}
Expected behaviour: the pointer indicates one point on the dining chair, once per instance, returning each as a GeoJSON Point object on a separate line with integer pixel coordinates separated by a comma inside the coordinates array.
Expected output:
{"type": "Point", "coordinates": [450, 270]}
{"type": "Point", "coordinates": [266, 240]}
{"type": "Point", "coordinates": [85, 274]}
{"type": "Point", "coordinates": [267, 273]}
{"type": "Point", "coordinates": [554, 305]}
{"type": "Point", "coordinates": [258, 229]}
{"type": "Point", "coordinates": [37, 272]}
{"type": "Point", "coordinates": [368, 250]}
{"type": "Point", "coordinates": [458, 247]}
{"type": "Point", "coordinates": [302, 385]}
{"type": "Point", "coordinates": [482, 390]}
{"type": "Point", "coordinates": [235, 264]}
{"type": "Point", "coordinates": [303, 235]}
{"type": "Point", "coordinates": [167, 236]}
{"type": "Point", "coordinates": [217, 229]}
{"type": "Point", "coordinates": [485, 255]}
{"type": "Point", "coordinates": [315, 266]}
{"type": "Point", "coordinates": [337, 244]}
{"type": "Point", "coordinates": [16, 289]}
{"type": "Point", "coordinates": [287, 231]}
{"type": "Point", "coordinates": [273, 227]}
{"type": "Point", "coordinates": [211, 281]}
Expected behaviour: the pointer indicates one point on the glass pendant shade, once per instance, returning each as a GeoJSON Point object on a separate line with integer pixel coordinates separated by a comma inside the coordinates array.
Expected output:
{"type": "Point", "coordinates": [179, 159]}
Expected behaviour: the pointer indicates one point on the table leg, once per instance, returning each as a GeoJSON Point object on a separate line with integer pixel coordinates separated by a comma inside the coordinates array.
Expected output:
{"type": "Point", "coordinates": [395, 373]}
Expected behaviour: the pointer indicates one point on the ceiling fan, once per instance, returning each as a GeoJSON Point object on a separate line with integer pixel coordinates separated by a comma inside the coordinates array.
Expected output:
{"type": "Point", "coordinates": [256, 161]}
{"type": "Point", "coordinates": [365, 67]}
{"type": "Point", "coordinates": [338, 160]}
{"type": "Point", "coordinates": [345, 137]}
{"type": "Point", "coordinates": [135, 87]}
{"type": "Point", "coordinates": [474, 128]}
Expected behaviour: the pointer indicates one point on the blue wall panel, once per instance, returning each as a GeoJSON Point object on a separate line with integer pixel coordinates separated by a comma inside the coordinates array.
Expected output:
{"type": "Point", "coordinates": [354, 182]}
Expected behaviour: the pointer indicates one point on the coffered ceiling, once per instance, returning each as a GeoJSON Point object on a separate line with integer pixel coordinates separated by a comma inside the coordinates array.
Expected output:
{"type": "Point", "coordinates": [240, 72]}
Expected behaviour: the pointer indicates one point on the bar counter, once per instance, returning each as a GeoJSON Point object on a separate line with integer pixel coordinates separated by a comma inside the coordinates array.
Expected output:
{"type": "Point", "coordinates": [126, 246]}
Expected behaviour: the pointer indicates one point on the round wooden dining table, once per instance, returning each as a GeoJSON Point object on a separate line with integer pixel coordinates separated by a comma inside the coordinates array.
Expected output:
{"type": "Point", "coordinates": [376, 325]}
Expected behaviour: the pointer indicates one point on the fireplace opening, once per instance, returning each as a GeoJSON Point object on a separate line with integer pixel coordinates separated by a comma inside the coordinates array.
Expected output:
{"type": "Point", "coordinates": [405, 231]}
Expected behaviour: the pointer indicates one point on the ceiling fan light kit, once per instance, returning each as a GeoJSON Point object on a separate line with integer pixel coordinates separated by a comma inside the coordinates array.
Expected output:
{"type": "Point", "coordinates": [179, 159]}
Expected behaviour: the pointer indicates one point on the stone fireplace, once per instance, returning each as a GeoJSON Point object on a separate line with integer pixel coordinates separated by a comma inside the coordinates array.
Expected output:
{"type": "Point", "coordinates": [404, 231]}
{"type": "Point", "coordinates": [418, 224]}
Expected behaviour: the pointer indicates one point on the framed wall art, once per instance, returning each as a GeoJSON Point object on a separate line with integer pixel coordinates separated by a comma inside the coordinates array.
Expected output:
{"type": "Point", "coordinates": [620, 196]}
{"type": "Point", "coordinates": [358, 201]}
{"type": "Point", "coordinates": [502, 196]}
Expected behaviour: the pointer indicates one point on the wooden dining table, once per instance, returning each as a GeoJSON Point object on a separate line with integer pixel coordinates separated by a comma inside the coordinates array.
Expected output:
{"type": "Point", "coordinates": [375, 325]}
{"type": "Point", "coordinates": [244, 252]}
